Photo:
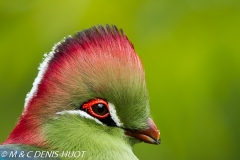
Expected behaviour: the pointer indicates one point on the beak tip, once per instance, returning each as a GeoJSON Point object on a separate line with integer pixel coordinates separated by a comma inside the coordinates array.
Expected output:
{"type": "Point", "coordinates": [158, 141]}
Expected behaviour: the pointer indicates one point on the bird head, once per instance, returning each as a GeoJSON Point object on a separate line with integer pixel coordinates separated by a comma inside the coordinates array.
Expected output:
{"type": "Point", "coordinates": [90, 89]}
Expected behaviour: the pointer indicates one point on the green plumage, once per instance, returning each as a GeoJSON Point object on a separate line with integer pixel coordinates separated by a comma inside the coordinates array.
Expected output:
{"type": "Point", "coordinates": [98, 63]}
{"type": "Point", "coordinates": [110, 75]}
{"type": "Point", "coordinates": [69, 132]}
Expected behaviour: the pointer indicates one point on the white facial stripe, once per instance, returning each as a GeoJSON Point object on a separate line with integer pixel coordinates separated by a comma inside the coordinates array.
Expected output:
{"type": "Point", "coordinates": [113, 114]}
{"type": "Point", "coordinates": [80, 113]}
{"type": "Point", "coordinates": [83, 114]}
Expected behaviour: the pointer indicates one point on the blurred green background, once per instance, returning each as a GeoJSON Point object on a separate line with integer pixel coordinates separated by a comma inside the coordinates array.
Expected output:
{"type": "Point", "coordinates": [190, 50]}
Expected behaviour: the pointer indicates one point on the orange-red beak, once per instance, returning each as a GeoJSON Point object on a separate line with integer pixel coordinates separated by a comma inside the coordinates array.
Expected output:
{"type": "Point", "coordinates": [149, 135]}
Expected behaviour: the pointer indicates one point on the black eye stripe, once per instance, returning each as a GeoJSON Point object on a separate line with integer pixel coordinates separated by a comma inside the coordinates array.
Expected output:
{"type": "Point", "coordinates": [108, 121]}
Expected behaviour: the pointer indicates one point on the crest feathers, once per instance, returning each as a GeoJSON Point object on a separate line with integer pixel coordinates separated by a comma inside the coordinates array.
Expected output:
{"type": "Point", "coordinates": [102, 53]}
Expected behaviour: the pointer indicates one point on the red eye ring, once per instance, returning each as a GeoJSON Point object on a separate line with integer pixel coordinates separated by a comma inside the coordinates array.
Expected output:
{"type": "Point", "coordinates": [88, 106]}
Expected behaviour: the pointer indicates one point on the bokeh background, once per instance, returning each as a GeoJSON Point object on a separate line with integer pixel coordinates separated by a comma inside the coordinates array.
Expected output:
{"type": "Point", "coordinates": [190, 50]}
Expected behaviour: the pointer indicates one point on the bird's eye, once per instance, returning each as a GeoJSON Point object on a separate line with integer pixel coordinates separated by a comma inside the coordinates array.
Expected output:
{"type": "Point", "coordinates": [97, 108]}
{"type": "Point", "coordinates": [100, 109]}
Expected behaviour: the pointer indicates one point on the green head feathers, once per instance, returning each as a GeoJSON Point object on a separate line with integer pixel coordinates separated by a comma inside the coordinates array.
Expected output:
{"type": "Point", "coordinates": [97, 63]}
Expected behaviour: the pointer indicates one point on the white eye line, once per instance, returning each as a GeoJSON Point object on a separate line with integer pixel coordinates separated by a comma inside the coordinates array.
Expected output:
{"type": "Point", "coordinates": [83, 114]}
{"type": "Point", "coordinates": [113, 114]}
